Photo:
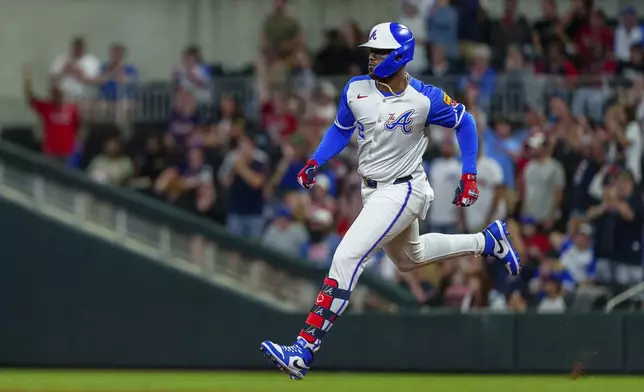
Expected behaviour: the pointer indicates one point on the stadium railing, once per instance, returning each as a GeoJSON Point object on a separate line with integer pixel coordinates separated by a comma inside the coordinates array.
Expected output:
{"type": "Point", "coordinates": [171, 235]}
{"type": "Point", "coordinates": [509, 95]}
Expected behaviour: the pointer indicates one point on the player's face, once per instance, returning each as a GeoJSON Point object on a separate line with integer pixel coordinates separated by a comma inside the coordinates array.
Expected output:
{"type": "Point", "coordinates": [376, 56]}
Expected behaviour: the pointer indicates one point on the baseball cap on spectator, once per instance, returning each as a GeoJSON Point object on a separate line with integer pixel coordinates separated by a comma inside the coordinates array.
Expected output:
{"type": "Point", "coordinates": [628, 10]}
{"type": "Point", "coordinates": [321, 217]}
{"type": "Point", "coordinates": [528, 220]}
{"type": "Point", "coordinates": [282, 212]}
{"type": "Point", "coordinates": [537, 140]}
{"type": "Point", "coordinates": [585, 229]}
{"type": "Point", "coordinates": [323, 181]}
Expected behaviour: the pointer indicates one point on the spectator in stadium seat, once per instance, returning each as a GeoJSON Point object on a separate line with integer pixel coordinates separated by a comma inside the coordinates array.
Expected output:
{"type": "Point", "coordinates": [543, 182]}
{"type": "Point", "coordinates": [439, 64]}
{"type": "Point", "coordinates": [194, 76]}
{"type": "Point", "coordinates": [628, 32]}
{"type": "Point", "coordinates": [294, 154]}
{"type": "Point", "coordinates": [112, 166]}
{"type": "Point", "coordinates": [335, 57]}
{"type": "Point", "coordinates": [323, 241]}
{"type": "Point", "coordinates": [60, 120]}
{"type": "Point", "coordinates": [618, 231]}
{"type": "Point", "coordinates": [353, 37]}
{"type": "Point", "coordinates": [596, 34]}
{"type": "Point", "coordinates": [302, 78]}
{"type": "Point", "coordinates": [481, 76]}
{"type": "Point", "coordinates": [535, 241]}
{"type": "Point", "coordinates": [491, 203]}
{"type": "Point", "coordinates": [149, 163]}
{"type": "Point", "coordinates": [505, 147]}
{"type": "Point", "coordinates": [319, 197]}
{"type": "Point", "coordinates": [553, 299]}
{"type": "Point", "coordinates": [227, 115]}
{"type": "Point", "coordinates": [586, 170]}
{"type": "Point", "coordinates": [414, 13]}
{"type": "Point", "coordinates": [547, 29]}
{"type": "Point", "coordinates": [323, 108]}
{"type": "Point", "coordinates": [76, 72]}
{"type": "Point", "coordinates": [576, 18]}
{"type": "Point", "coordinates": [184, 118]}
{"type": "Point", "coordinates": [445, 24]}
{"type": "Point", "coordinates": [590, 96]}
{"type": "Point", "coordinates": [281, 31]}
{"type": "Point", "coordinates": [511, 29]}
{"type": "Point", "coordinates": [285, 234]}
{"type": "Point", "coordinates": [555, 62]}
{"type": "Point", "coordinates": [244, 173]}
{"type": "Point", "coordinates": [444, 170]}
{"type": "Point", "coordinates": [634, 67]}
{"type": "Point", "coordinates": [550, 269]}
{"type": "Point", "coordinates": [118, 81]}
{"type": "Point", "coordinates": [578, 258]}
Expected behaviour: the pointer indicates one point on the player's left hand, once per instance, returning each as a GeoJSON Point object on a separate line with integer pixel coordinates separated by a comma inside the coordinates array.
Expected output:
{"type": "Point", "coordinates": [467, 192]}
{"type": "Point", "coordinates": [306, 176]}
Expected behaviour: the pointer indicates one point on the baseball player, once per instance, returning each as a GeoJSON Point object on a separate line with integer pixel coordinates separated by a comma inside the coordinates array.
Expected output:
{"type": "Point", "coordinates": [391, 112]}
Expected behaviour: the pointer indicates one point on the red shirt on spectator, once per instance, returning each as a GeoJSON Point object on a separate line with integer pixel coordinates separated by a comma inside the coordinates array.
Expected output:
{"type": "Point", "coordinates": [282, 124]}
{"type": "Point", "coordinates": [538, 243]}
{"type": "Point", "coordinates": [60, 126]}
{"type": "Point", "coordinates": [565, 68]}
{"type": "Point", "coordinates": [590, 37]}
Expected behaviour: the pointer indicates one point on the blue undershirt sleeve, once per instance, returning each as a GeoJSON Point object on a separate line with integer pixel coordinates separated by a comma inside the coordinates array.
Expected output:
{"type": "Point", "coordinates": [468, 142]}
{"type": "Point", "coordinates": [334, 141]}
{"type": "Point", "coordinates": [447, 113]}
{"type": "Point", "coordinates": [339, 134]}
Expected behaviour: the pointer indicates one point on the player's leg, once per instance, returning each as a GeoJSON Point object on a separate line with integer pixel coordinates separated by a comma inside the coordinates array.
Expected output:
{"type": "Point", "coordinates": [386, 213]}
{"type": "Point", "coordinates": [409, 250]}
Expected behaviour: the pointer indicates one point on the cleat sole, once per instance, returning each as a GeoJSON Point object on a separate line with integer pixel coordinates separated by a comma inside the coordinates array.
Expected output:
{"type": "Point", "coordinates": [271, 359]}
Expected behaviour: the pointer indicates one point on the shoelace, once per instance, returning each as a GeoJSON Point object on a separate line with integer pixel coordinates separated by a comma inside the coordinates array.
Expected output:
{"type": "Point", "coordinates": [292, 349]}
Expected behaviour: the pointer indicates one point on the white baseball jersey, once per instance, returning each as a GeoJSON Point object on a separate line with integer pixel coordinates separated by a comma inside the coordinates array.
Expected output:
{"type": "Point", "coordinates": [392, 129]}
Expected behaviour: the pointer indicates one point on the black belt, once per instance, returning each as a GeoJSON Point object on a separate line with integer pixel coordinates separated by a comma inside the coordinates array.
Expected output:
{"type": "Point", "coordinates": [369, 183]}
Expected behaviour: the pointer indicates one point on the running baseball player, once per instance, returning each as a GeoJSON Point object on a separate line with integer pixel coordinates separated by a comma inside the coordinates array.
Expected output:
{"type": "Point", "coordinates": [391, 112]}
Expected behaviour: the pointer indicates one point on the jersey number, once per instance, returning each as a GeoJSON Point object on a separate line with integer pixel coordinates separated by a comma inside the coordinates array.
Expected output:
{"type": "Point", "coordinates": [360, 128]}
{"type": "Point", "coordinates": [404, 121]}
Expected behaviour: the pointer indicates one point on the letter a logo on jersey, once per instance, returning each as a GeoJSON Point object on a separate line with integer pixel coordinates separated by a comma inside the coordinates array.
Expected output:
{"type": "Point", "coordinates": [404, 121]}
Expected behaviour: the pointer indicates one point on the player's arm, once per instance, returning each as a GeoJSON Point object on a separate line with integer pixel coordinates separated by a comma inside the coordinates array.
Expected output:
{"type": "Point", "coordinates": [448, 113]}
{"type": "Point", "coordinates": [336, 139]}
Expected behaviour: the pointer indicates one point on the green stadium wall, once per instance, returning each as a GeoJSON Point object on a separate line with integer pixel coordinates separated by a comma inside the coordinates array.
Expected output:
{"type": "Point", "coordinates": [69, 299]}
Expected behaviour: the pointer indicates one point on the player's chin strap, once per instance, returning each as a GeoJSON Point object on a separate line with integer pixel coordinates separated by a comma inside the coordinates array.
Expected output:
{"type": "Point", "coordinates": [407, 79]}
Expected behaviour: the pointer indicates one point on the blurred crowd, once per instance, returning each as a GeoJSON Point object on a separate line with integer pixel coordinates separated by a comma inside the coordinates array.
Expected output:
{"type": "Point", "coordinates": [564, 165]}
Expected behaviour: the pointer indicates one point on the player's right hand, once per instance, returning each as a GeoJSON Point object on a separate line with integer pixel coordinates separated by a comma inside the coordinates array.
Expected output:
{"type": "Point", "coordinates": [306, 176]}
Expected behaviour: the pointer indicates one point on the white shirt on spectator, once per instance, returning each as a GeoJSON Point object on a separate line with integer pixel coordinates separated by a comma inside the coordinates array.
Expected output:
{"type": "Point", "coordinates": [624, 39]}
{"type": "Point", "coordinates": [73, 88]}
{"type": "Point", "coordinates": [489, 177]}
{"type": "Point", "coordinates": [202, 94]}
{"type": "Point", "coordinates": [634, 150]}
{"type": "Point", "coordinates": [444, 175]}
{"type": "Point", "coordinates": [552, 305]}
{"type": "Point", "coordinates": [578, 262]}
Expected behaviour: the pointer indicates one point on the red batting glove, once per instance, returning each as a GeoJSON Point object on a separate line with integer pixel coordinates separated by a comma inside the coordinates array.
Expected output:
{"type": "Point", "coordinates": [466, 193]}
{"type": "Point", "coordinates": [306, 176]}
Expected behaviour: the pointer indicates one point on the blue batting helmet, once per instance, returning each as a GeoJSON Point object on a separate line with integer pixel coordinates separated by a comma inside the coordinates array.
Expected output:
{"type": "Point", "coordinates": [396, 37]}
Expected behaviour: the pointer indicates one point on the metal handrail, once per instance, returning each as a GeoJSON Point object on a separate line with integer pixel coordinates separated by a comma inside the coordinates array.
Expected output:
{"type": "Point", "coordinates": [624, 296]}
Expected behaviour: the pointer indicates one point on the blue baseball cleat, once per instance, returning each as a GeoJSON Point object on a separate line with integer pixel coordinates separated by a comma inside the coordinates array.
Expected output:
{"type": "Point", "coordinates": [498, 245]}
{"type": "Point", "coordinates": [293, 360]}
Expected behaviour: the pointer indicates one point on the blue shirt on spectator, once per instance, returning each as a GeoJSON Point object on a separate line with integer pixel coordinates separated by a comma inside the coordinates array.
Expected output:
{"type": "Point", "coordinates": [496, 149]}
{"type": "Point", "coordinates": [442, 30]}
{"type": "Point", "coordinates": [181, 126]}
{"type": "Point", "coordinates": [113, 90]}
{"type": "Point", "coordinates": [580, 264]}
